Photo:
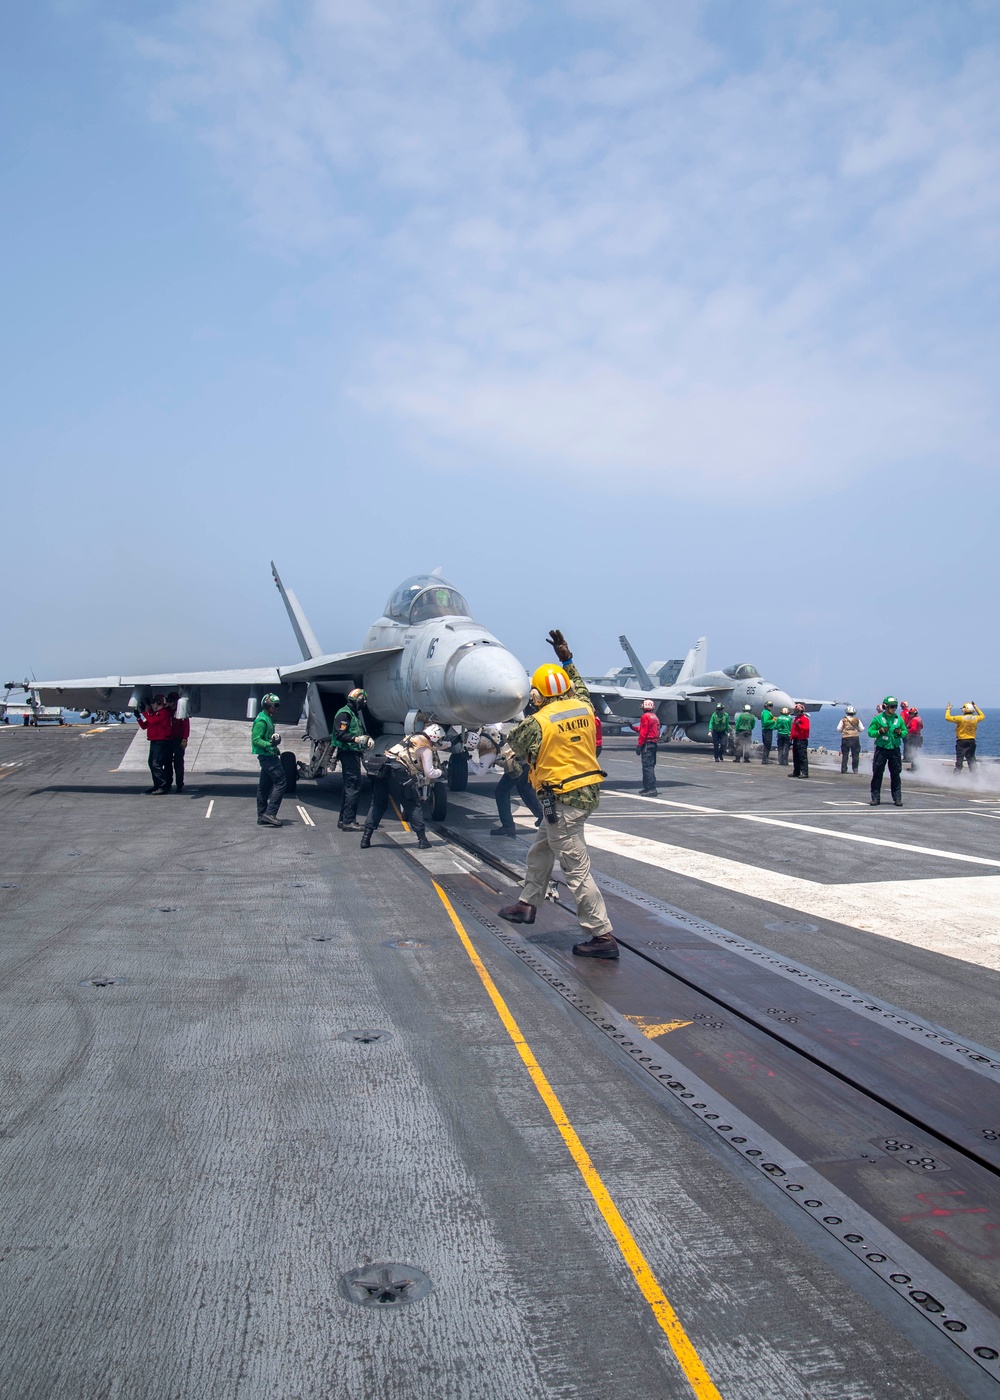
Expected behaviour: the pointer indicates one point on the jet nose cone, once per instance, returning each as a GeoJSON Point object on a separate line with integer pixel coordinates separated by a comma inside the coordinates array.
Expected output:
{"type": "Point", "coordinates": [488, 685]}
{"type": "Point", "coordinates": [777, 701]}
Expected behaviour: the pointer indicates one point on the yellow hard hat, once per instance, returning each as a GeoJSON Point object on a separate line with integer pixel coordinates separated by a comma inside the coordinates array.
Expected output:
{"type": "Point", "coordinates": [550, 680]}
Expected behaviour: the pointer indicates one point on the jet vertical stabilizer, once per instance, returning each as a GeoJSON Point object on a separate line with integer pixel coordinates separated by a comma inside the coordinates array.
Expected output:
{"type": "Point", "coordinates": [695, 663]}
{"type": "Point", "coordinates": [304, 634]}
{"type": "Point", "coordinates": [641, 673]}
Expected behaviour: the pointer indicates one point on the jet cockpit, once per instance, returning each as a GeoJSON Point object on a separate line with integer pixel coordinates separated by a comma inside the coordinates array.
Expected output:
{"type": "Point", "coordinates": [742, 672]}
{"type": "Point", "coordinates": [423, 597]}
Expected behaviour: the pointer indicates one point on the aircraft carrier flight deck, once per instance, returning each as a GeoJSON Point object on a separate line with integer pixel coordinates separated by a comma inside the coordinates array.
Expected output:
{"type": "Point", "coordinates": [286, 1118]}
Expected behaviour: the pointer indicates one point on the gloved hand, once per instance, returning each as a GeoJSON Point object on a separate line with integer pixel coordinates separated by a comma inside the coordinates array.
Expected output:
{"type": "Point", "coordinates": [435, 774]}
{"type": "Point", "coordinates": [638, 748]}
{"type": "Point", "coordinates": [559, 645]}
{"type": "Point", "coordinates": [365, 741]}
{"type": "Point", "coordinates": [276, 739]}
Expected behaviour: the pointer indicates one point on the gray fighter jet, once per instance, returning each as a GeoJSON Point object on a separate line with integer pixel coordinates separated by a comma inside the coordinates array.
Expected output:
{"type": "Point", "coordinates": [687, 692]}
{"type": "Point", "coordinates": [423, 660]}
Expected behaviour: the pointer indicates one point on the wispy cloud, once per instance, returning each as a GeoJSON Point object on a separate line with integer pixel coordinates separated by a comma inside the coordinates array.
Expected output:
{"type": "Point", "coordinates": [613, 237]}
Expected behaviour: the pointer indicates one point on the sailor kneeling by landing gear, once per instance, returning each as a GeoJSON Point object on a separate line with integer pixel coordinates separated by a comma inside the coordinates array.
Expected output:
{"type": "Point", "coordinates": [403, 767]}
{"type": "Point", "coordinates": [559, 741]}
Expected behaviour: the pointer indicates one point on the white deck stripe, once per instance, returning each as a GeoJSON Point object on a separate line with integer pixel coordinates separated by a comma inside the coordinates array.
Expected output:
{"type": "Point", "coordinates": [957, 916]}
{"type": "Point", "coordinates": [305, 815]}
{"type": "Point", "coordinates": [817, 830]}
{"type": "Point", "coordinates": [210, 806]}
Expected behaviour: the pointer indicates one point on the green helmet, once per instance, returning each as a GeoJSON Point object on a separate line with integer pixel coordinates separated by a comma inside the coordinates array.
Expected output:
{"type": "Point", "coordinates": [271, 699]}
{"type": "Point", "coordinates": [890, 703]}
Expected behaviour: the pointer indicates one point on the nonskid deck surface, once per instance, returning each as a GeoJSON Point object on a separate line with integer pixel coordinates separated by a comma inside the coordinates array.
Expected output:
{"type": "Point", "coordinates": [888, 1166]}
{"type": "Point", "coordinates": [193, 1156]}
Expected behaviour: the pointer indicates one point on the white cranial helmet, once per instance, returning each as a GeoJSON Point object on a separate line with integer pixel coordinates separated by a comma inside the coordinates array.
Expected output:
{"type": "Point", "coordinates": [649, 704]}
{"type": "Point", "coordinates": [434, 732]}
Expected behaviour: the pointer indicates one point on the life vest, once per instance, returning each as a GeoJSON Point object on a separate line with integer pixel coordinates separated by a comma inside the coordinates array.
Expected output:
{"type": "Point", "coordinates": [405, 752]}
{"type": "Point", "coordinates": [567, 758]}
{"type": "Point", "coordinates": [850, 727]}
{"type": "Point", "coordinates": [345, 735]}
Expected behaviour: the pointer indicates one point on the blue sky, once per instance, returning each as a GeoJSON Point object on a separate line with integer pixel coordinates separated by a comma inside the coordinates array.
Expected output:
{"type": "Point", "coordinates": [673, 319]}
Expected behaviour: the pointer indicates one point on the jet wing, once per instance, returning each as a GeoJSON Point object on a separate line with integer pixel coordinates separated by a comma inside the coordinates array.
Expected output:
{"type": "Point", "coordinates": [337, 666]}
{"type": "Point", "coordinates": [813, 705]}
{"type": "Point", "coordinates": [100, 688]}
{"type": "Point", "coordinates": [697, 690]}
{"type": "Point", "coordinates": [342, 665]}
{"type": "Point", "coordinates": [215, 694]}
{"type": "Point", "coordinates": [607, 691]}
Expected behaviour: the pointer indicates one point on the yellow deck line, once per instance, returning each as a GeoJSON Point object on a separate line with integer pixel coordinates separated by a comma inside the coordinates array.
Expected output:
{"type": "Point", "coordinates": [690, 1362]}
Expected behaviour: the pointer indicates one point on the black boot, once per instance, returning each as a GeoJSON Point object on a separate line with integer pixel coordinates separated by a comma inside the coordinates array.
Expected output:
{"type": "Point", "coordinates": [422, 842]}
{"type": "Point", "coordinates": [597, 948]}
{"type": "Point", "coordinates": [518, 913]}
{"type": "Point", "coordinates": [366, 839]}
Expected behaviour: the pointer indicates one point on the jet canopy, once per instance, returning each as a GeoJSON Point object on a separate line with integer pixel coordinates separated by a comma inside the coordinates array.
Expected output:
{"type": "Point", "coordinates": [743, 672]}
{"type": "Point", "coordinates": [425, 596]}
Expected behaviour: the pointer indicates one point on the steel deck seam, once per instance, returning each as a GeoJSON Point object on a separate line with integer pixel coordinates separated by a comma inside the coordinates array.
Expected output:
{"type": "Point", "coordinates": [979, 1058]}
{"type": "Point", "coordinates": [815, 1058]}
{"type": "Point", "coordinates": [722, 999]}
{"type": "Point", "coordinates": [976, 1057]}
{"type": "Point", "coordinates": [959, 1317]}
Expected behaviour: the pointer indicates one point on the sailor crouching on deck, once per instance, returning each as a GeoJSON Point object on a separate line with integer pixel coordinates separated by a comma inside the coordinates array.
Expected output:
{"type": "Point", "coordinates": [406, 764]}
{"type": "Point", "coordinates": [559, 742]}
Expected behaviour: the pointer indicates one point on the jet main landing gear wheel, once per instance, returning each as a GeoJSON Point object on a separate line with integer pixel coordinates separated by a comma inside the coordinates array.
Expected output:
{"type": "Point", "coordinates": [291, 767]}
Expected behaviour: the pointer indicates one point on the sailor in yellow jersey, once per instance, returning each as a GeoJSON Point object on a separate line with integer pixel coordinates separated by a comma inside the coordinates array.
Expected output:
{"type": "Point", "coordinates": [966, 725]}
{"type": "Point", "coordinates": [559, 742]}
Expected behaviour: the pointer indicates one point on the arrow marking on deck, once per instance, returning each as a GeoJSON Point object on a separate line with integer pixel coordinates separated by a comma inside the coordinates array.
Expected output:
{"type": "Point", "coordinates": [652, 1030]}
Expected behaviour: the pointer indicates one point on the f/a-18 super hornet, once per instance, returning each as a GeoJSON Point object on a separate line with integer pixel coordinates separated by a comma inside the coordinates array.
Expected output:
{"type": "Point", "coordinates": [423, 660]}
{"type": "Point", "coordinates": [686, 692]}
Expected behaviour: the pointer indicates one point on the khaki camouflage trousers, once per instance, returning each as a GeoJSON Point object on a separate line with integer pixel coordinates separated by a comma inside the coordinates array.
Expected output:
{"type": "Point", "coordinates": [564, 840]}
